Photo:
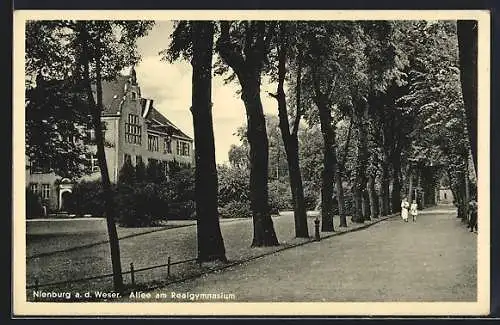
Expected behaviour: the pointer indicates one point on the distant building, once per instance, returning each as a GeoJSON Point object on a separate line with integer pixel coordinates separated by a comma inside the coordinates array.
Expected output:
{"type": "Point", "coordinates": [134, 130]}
{"type": "Point", "coordinates": [444, 193]}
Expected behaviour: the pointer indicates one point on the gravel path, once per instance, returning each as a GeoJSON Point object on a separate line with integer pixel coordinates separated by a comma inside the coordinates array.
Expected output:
{"type": "Point", "coordinates": [431, 260]}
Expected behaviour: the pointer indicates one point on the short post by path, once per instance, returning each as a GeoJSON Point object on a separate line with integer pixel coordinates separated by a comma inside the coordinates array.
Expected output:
{"type": "Point", "coordinates": [316, 229]}
{"type": "Point", "coordinates": [132, 275]}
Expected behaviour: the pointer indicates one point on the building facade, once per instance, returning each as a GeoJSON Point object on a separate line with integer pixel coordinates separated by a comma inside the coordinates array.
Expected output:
{"type": "Point", "coordinates": [134, 130]}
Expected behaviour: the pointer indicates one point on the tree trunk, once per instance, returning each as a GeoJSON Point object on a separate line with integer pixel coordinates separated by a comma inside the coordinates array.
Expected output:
{"type": "Point", "coordinates": [466, 190]}
{"type": "Point", "coordinates": [329, 159]}
{"type": "Point", "coordinates": [467, 45]}
{"type": "Point", "coordinates": [329, 166]}
{"type": "Point", "coordinates": [362, 161]}
{"type": "Point", "coordinates": [338, 177]}
{"type": "Point", "coordinates": [299, 207]}
{"type": "Point", "coordinates": [461, 202]}
{"type": "Point", "coordinates": [96, 109]}
{"type": "Point", "coordinates": [210, 242]}
{"type": "Point", "coordinates": [366, 205]}
{"type": "Point", "coordinates": [290, 140]}
{"type": "Point", "coordinates": [418, 190]}
{"type": "Point", "coordinates": [396, 182]}
{"type": "Point", "coordinates": [340, 198]}
{"type": "Point", "coordinates": [410, 187]}
{"type": "Point", "coordinates": [384, 188]}
{"type": "Point", "coordinates": [248, 69]}
{"type": "Point", "coordinates": [372, 194]}
{"type": "Point", "coordinates": [466, 180]}
{"type": "Point", "coordinates": [358, 206]}
{"type": "Point", "coordinates": [264, 234]}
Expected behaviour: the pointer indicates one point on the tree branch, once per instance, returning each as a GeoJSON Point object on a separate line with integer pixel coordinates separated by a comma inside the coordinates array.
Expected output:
{"type": "Point", "coordinates": [272, 95]}
{"type": "Point", "coordinates": [228, 51]}
{"type": "Point", "coordinates": [298, 85]}
{"type": "Point", "coordinates": [282, 109]}
{"type": "Point", "coordinates": [269, 36]}
{"type": "Point", "coordinates": [263, 41]}
{"type": "Point", "coordinates": [248, 39]}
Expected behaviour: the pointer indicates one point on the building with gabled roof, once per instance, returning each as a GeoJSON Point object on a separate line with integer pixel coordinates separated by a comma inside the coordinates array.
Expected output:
{"type": "Point", "coordinates": [134, 130]}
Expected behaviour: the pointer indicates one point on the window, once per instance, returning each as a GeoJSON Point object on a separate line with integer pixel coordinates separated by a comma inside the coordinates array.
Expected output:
{"type": "Point", "coordinates": [133, 119]}
{"type": "Point", "coordinates": [133, 129]}
{"type": "Point", "coordinates": [153, 143]}
{"type": "Point", "coordinates": [178, 148]}
{"type": "Point", "coordinates": [34, 188]}
{"type": "Point", "coordinates": [445, 196]}
{"type": "Point", "coordinates": [167, 146]}
{"type": "Point", "coordinates": [138, 160]}
{"type": "Point", "coordinates": [45, 191]}
{"type": "Point", "coordinates": [165, 167]}
{"type": "Point", "coordinates": [127, 158]}
{"type": "Point", "coordinates": [134, 95]}
{"type": "Point", "coordinates": [92, 162]}
{"type": "Point", "coordinates": [90, 135]}
{"type": "Point", "coordinates": [183, 148]}
{"type": "Point", "coordinates": [152, 163]}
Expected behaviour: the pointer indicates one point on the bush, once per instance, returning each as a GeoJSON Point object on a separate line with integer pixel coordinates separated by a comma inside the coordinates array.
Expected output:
{"type": "Point", "coordinates": [179, 191]}
{"type": "Point", "coordinates": [87, 198]}
{"type": "Point", "coordinates": [311, 195]}
{"type": "Point", "coordinates": [33, 205]}
{"type": "Point", "coordinates": [233, 185]}
{"type": "Point", "coordinates": [140, 204]}
{"type": "Point", "coordinates": [280, 196]}
{"type": "Point", "coordinates": [236, 209]}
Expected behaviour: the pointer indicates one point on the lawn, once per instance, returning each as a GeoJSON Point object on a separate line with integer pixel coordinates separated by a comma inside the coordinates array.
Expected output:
{"type": "Point", "coordinates": [46, 240]}
{"type": "Point", "coordinates": [149, 249]}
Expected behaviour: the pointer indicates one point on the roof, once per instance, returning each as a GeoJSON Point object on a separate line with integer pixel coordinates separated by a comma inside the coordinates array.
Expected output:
{"type": "Point", "coordinates": [112, 94]}
{"type": "Point", "coordinates": [160, 120]}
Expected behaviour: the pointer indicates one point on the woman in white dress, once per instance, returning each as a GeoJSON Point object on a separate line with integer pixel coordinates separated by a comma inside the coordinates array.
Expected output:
{"type": "Point", "coordinates": [414, 210]}
{"type": "Point", "coordinates": [404, 209]}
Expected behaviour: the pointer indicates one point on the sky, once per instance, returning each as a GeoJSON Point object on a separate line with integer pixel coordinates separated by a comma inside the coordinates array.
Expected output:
{"type": "Point", "coordinates": [169, 85]}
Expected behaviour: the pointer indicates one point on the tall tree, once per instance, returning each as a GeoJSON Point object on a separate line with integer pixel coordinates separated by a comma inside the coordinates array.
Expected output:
{"type": "Point", "coordinates": [210, 242]}
{"type": "Point", "coordinates": [290, 138]}
{"type": "Point", "coordinates": [435, 94]}
{"type": "Point", "coordinates": [101, 58]}
{"type": "Point", "coordinates": [381, 65]}
{"type": "Point", "coordinates": [84, 53]}
{"type": "Point", "coordinates": [193, 41]}
{"type": "Point", "coordinates": [56, 110]}
{"type": "Point", "coordinates": [334, 56]}
{"type": "Point", "coordinates": [339, 174]}
{"type": "Point", "coordinates": [245, 50]}
{"type": "Point", "coordinates": [467, 45]}
{"type": "Point", "coordinates": [321, 90]}
{"type": "Point", "coordinates": [361, 120]}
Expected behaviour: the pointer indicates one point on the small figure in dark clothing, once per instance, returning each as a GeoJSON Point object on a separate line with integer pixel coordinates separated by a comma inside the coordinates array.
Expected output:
{"type": "Point", "coordinates": [472, 215]}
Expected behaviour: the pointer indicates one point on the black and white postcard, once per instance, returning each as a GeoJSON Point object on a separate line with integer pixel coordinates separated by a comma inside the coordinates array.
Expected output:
{"type": "Point", "coordinates": [251, 163]}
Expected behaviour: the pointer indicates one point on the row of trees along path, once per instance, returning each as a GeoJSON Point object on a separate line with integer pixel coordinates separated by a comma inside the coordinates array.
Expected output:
{"type": "Point", "coordinates": [398, 84]}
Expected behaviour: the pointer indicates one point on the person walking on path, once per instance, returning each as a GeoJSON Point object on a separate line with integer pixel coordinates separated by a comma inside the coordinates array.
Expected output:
{"type": "Point", "coordinates": [404, 209]}
{"type": "Point", "coordinates": [472, 215]}
{"type": "Point", "coordinates": [414, 210]}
